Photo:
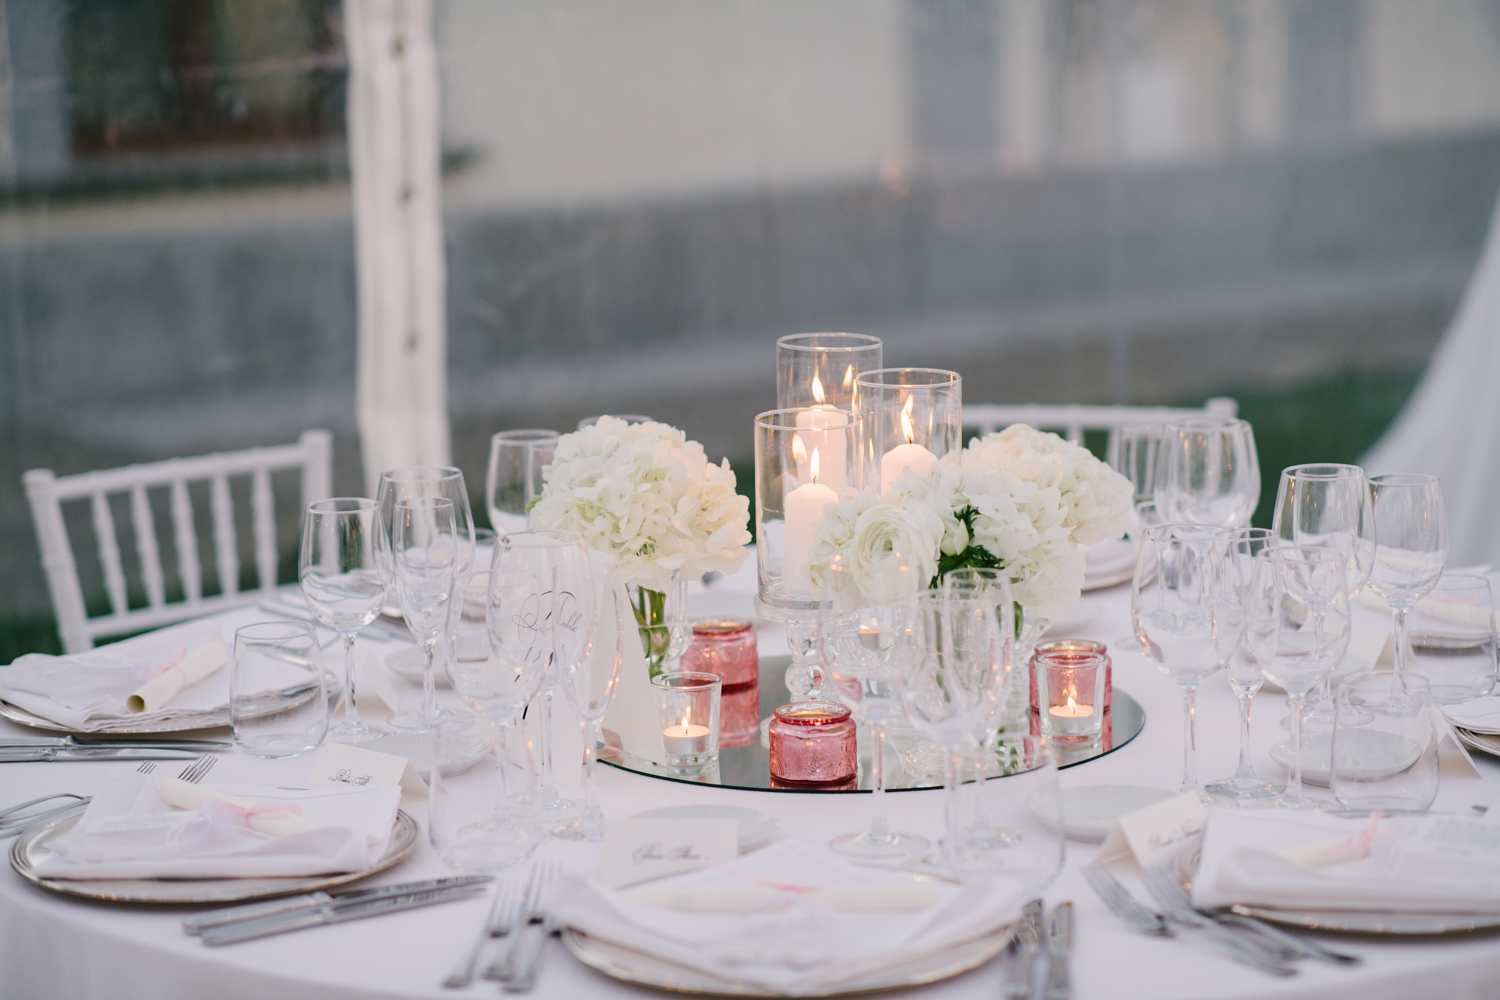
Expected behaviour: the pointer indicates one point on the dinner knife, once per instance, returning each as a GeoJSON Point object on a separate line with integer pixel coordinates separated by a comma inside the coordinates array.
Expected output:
{"type": "Point", "coordinates": [71, 743]}
{"type": "Point", "coordinates": [198, 922]}
{"type": "Point", "coordinates": [1018, 978]}
{"type": "Point", "coordinates": [13, 755]}
{"type": "Point", "coordinates": [336, 912]}
{"type": "Point", "coordinates": [1059, 943]}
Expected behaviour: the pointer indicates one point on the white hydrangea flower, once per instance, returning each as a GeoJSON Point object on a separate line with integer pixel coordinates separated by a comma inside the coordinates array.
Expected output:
{"type": "Point", "coordinates": [648, 496]}
{"type": "Point", "coordinates": [1096, 499]}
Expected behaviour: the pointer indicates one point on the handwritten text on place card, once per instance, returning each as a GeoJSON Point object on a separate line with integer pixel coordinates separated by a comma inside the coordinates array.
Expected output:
{"type": "Point", "coordinates": [638, 850]}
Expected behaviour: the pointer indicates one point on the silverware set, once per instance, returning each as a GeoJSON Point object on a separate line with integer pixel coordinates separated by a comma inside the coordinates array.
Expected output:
{"type": "Point", "coordinates": [512, 914]}
{"type": "Point", "coordinates": [1032, 939]}
{"type": "Point", "coordinates": [1245, 939]}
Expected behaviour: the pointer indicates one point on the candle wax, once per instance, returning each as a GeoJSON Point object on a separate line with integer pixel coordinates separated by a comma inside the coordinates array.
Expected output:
{"type": "Point", "coordinates": [1074, 711]}
{"type": "Point", "coordinates": [804, 505]}
{"type": "Point", "coordinates": [902, 457]}
{"type": "Point", "coordinates": [813, 426]}
{"type": "Point", "coordinates": [685, 732]}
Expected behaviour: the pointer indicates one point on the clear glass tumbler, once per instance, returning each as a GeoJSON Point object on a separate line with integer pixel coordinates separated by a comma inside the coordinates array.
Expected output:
{"type": "Point", "coordinates": [277, 703]}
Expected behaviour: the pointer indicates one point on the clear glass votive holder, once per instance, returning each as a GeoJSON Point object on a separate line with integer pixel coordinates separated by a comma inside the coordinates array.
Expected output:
{"type": "Point", "coordinates": [1070, 695]}
{"type": "Point", "coordinates": [819, 369]}
{"type": "Point", "coordinates": [912, 418]}
{"type": "Point", "coordinates": [278, 706]}
{"type": "Point", "coordinates": [726, 647]}
{"type": "Point", "coordinates": [813, 742]}
{"type": "Point", "coordinates": [687, 706]}
{"type": "Point", "coordinates": [805, 459]}
{"type": "Point", "coordinates": [1073, 646]}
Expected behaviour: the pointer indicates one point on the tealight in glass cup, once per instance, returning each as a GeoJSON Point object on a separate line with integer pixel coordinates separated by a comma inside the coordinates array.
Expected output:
{"type": "Point", "coordinates": [1070, 695]}
{"type": "Point", "coordinates": [687, 706]}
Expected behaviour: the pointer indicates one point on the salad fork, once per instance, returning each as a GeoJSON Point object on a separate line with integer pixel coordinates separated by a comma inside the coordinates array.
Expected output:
{"type": "Point", "coordinates": [504, 917]}
{"type": "Point", "coordinates": [1123, 904]}
{"type": "Point", "coordinates": [542, 876]}
{"type": "Point", "coordinates": [1252, 951]}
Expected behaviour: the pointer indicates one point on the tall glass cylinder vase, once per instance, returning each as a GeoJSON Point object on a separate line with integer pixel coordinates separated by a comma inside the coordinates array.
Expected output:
{"type": "Point", "coordinates": [819, 369]}
{"type": "Point", "coordinates": [912, 418]}
{"type": "Point", "coordinates": [661, 617]}
{"type": "Point", "coordinates": [806, 459]}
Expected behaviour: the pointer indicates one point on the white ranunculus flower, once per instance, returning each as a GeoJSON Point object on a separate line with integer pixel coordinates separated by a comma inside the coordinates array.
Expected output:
{"type": "Point", "coordinates": [881, 534]}
{"type": "Point", "coordinates": [648, 496]}
{"type": "Point", "coordinates": [1096, 499]}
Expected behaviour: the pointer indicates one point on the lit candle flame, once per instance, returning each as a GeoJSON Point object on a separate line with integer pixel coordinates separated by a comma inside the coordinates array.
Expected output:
{"type": "Point", "coordinates": [1072, 705]}
{"type": "Point", "coordinates": [799, 450]}
{"type": "Point", "coordinates": [815, 465]}
{"type": "Point", "coordinates": [683, 722]}
{"type": "Point", "coordinates": [906, 429]}
{"type": "Point", "coordinates": [848, 378]}
{"type": "Point", "coordinates": [817, 390]}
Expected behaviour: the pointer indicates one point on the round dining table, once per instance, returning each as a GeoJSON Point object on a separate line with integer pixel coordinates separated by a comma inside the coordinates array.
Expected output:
{"type": "Point", "coordinates": [56, 946]}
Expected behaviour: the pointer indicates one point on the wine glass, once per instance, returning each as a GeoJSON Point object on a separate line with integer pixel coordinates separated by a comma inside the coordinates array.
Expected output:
{"type": "Point", "coordinates": [1243, 671]}
{"type": "Point", "coordinates": [1328, 505]}
{"type": "Point", "coordinates": [1137, 448]}
{"type": "Point", "coordinates": [1207, 472]}
{"type": "Point", "coordinates": [1295, 648]}
{"type": "Point", "coordinates": [514, 476]}
{"type": "Point", "coordinates": [589, 684]}
{"type": "Point", "coordinates": [428, 481]}
{"type": "Point", "coordinates": [856, 648]}
{"type": "Point", "coordinates": [342, 585]}
{"type": "Point", "coordinates": [1176, 604]}
{"type": "Point", "coordinates": [629, 418]}
{"type": "Point", "coordinates": [424, 546]}
{"type": "Point", "coordinates": [564, 620]}
{"type": "Point", "coordinates": [1411, 544]}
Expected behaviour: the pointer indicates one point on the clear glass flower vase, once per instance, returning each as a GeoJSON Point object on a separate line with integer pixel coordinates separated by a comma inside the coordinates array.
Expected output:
{"type": "Point", "coordinates": [661, 616]}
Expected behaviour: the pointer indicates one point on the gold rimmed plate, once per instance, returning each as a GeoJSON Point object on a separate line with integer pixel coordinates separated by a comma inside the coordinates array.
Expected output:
{"type": "Point", "coordinates": [33, 845]}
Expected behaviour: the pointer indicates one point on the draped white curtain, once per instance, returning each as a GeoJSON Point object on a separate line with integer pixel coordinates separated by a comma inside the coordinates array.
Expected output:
{"type": "Point", "coordinates": [1451, 426]}
{"type": "Point", "coordinates": [394, 153]}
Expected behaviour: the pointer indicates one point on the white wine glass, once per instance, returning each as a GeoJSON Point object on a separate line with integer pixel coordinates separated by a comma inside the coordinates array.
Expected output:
{"type": "Point", "coordinates": [343, 587]}
{"type": "Point", "coordinates": [424, 539]}
{"type": "Point", "coordinates": [1208, 472]}
{"type": "Point", "coordinates": [1411, 544]}
{"type": "Point", "coordinates": [589, 684]}
{"type": "Point", "coordinates": [514, 476]}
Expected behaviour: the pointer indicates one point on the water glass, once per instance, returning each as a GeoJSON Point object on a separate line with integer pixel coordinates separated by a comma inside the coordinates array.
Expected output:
{"type": "Point", "coordinates": [514, 477]}
{"type": "Point", "coordinates": [1136, 450]}
{"type": "Point", "coordinates": [468, 822]}
{"type": "Point", "coordinates": [277, 703]}
{"type": "Point", "coordinates": [1208, 472]}
{"type": "Point", "coordinates": [1385, 754]}
{"type": "Point", "coordinates": [1452, 634]}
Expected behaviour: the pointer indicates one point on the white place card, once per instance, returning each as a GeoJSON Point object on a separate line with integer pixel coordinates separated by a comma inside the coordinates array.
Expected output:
{"type": "Point", "coordinates": [639, 850]}
{"type": "Point", "coordinates": [375, 695]}
{"type": "Point", "coordinates": [1155, 834]}
{"type": "Point", "coordinates": [355, 767]}
{"type": "Point", "coordinates": [1454, 759]}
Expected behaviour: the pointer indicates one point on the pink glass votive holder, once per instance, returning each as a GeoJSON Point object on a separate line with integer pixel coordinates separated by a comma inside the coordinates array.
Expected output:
{"type": "Point", "coordinates": [724, 646]}
{"type": "Point", "coordinates": [1072, 646]}
{"type": "Point", "coordinates": [813, 742]}
{"type": "Point", "coordinates": [1070, 695]}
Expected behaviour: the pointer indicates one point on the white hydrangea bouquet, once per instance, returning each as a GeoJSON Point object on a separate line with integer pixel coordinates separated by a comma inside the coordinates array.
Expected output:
{"type": "Point", "coordinates": [648, 496]}
{"type": "Point", "coordinates": [1022, 500]}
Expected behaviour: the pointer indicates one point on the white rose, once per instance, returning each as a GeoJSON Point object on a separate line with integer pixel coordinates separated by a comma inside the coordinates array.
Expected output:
{"type": "Point", "coordinates": [884, 535]}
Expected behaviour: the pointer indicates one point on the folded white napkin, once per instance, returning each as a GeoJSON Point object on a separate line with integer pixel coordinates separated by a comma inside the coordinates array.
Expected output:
{"type": "Point", "coordinates": [1443, 864]}
{"type": "Point", "coordinates": [1453, 612]}
{"type": "Point", "coordinates": [790, 941]}
{"type": "Point", "coordinates": [1108, 558]}
{"type": "Point", "coordinates": [131, 830]}
{"type": "Point", "coordinates": [91, 691]}
{"type": "Point", "coordinates": [1481, 715]}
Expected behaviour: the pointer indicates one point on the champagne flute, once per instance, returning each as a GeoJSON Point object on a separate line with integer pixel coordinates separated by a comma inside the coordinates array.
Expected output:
{"type": "Point", "coordinates": [856, 648]}
{"type": "Point", "coordinates": [428, 481]}
{"type": "Point", "coordinates": [1243, 671]}
{"type": "Point", "coordinates": [1207, 472]}
{"type": "Point", "coordinates": [1175, 606]}
{"type": "Point", "coordinates": [342, 585]}
{"type": "Point", "coordinates": [1328, 505]}
{"type": "Point", "coordinates": [514, 476]}
{"type": "Point", "coordinates": [1294, 648]}
{"type": "Point", "coordinates": [1411, 544]}
{"type": "Point", "coordinates": [424, 546]}
{"type": "Point", "coordinates": [589, 685]}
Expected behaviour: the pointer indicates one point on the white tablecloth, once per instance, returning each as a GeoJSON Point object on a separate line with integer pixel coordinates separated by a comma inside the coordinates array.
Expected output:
{"type": "Point", "coordinates": [56, 947]}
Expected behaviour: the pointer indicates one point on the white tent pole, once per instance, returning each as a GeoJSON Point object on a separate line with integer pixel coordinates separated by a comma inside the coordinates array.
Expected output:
{"type": "Point", "coordinates": [394, 158]}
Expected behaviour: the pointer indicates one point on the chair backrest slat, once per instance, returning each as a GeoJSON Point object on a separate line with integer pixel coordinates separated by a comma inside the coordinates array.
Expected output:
{"type": "Point", "coordinates": [146, 548]}
{"type": "Point", "coordinates": [1074, 421]}
{"type": "Point", "coordinates": [226, 542]}
{"type": "Point", "coordinates": [263, 527]}
{"type": "Point", "coordinates": [185, 538]}
{"type": "Point", "coordinates": [109, 553]}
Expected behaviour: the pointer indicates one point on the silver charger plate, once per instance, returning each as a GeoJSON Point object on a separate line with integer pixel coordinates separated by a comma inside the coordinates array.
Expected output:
{"type": "Point", "coordinates": [207, 719]}
{"type": "Point", "coordinates": [1483, 742]}
{"type": "Point", "coordinates": [31, 847]}
{"type": "Point", "coordinates": [631, 966]}
{"type": "Point", "coordinates": [1381, 922]}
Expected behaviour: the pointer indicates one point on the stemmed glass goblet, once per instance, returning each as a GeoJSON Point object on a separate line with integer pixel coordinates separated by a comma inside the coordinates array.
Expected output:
{"type": "Point", "coordinates": [856, 648]}
{"type": "Point", "coordinates": [1207, 472]}
{"type": "Point", "coordinates": [1175, 606]}
{"type": "Point", "coordinates": [342, 585]}
{"type": "Point", "coordinates": [589, 684]}
{"type": "Point", "coordinates": [514, 476]}
{"type": "Point", "coordinates": [1411, 544]}
{"type": "Point", "coordinates": [424, 544]}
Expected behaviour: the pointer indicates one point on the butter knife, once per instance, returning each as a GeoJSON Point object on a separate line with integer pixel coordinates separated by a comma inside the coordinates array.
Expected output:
{"type": "Point", "coordinates": [198, 922]}
{"type": "Point", "coordinates": [12, 755]}
{"type": "Point", "coordinates": [336, 912]}
{"type": "Point", "coordinates": [1018, 978]}
{"type": "Point", "coordinates": [1059, 943]}
{"type": "Point", "coordinates": [71, 743]}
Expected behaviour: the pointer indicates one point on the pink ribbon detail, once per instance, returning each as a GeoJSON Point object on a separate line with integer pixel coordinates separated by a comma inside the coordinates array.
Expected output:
{"type": "Point", "coordinates": [243, 814]}
{"type": "Point", "coordinates": [1358, 845]}
{"type": "Point", "coordinates": [173, 663]}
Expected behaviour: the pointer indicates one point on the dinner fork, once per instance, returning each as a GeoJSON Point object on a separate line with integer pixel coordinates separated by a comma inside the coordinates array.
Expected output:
{"type": "Point", "coordinates": [11, 824]}
{"type": "Point", "coordinates": [541, 879]}
{"type": "Point", "coordinates": [504, 916]}
{"type": "Point", "coordinates": [1291, 945]}
{"type": "Point", "coordinates": [1250, 951]}
{"type": "Point", "coordinates": [195, 771]}
{"type": "Point", "coordinates": [523, 969]}
{"type": "Point", "coordinates": [1123, 904]}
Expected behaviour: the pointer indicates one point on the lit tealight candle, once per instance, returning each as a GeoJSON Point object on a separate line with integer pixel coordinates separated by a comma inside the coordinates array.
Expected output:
{"type": "Point", "coordinates": [1072, 710]}
{"type": "Point", "coordinates": [905, 456]}
{"type": "Point", "coordinates": [804, 507]}
{"type": "Point", "coordinates": [685, 739]}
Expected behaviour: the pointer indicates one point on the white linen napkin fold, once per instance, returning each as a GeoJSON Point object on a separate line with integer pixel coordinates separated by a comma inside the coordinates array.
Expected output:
{"type": "Point", "coordinates": [1419, 867]}
{"type": "Point", "coordinates": [130, 831]}
{"type": "Point", "coordinates": [1480, 715]}
{"type": "Point", "coordinates": [791, 942]}
{"type": "Point", "coordinates": [89, 692]}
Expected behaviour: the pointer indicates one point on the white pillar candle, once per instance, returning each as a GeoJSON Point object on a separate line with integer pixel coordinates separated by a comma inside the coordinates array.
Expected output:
{"type": "Point", "coordinates": [822, 430]}
{"type": "Point", "coordinates": [804, 506]}
{"type": "Point", "coordinates": [903, 457]}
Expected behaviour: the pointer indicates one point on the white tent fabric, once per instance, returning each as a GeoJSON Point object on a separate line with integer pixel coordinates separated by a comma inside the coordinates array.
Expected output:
{"type": "Point", "coordinates": [1451, 426]}
{"type": "Point", "coordinates": [394, 155]}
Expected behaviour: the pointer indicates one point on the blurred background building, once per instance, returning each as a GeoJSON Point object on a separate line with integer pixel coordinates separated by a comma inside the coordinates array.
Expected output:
{"type": "Point", "coordinates": [1066, 200]}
